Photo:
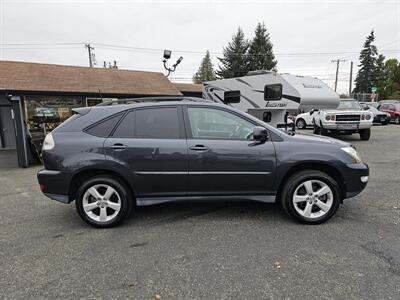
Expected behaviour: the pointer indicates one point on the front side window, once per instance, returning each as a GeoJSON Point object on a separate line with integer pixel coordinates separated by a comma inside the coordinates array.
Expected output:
{"type": "Point", "coordinates": [209, 123]}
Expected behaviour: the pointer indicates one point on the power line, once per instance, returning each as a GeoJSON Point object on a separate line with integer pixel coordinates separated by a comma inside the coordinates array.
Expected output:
{"type": "Point", "coordinates": [190, 52]}
{"type": "Point", "coordinates": [40, 44]}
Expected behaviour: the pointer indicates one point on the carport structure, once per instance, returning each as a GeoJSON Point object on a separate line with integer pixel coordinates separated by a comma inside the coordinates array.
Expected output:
{"type": "Point", "coordinates": [35, 98]}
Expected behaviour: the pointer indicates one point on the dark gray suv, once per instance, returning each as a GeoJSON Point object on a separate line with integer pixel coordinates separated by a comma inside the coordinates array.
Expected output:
{"type": "Point", "coordinates": [111, 158]}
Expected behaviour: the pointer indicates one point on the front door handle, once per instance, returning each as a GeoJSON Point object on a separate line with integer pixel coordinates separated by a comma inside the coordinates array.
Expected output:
{"type": "Point", "coordinates": [198, 148]}
{"type": "Point", "coordinates": [118, 146]}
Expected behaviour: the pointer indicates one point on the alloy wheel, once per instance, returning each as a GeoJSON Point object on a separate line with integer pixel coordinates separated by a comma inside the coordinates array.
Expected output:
{"type": "Point", "coordinates": [313, 199]}
{"type": "Point", "coordinates": [301, 124]}
{"type": "Point", "coordinates": [101, 203]}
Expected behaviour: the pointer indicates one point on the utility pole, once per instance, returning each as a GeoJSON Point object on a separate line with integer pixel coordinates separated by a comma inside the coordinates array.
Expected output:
{"type": "Point", "coordinates": [337, 61]}
{"type": "Point", "coordinates": [90, 48]}
{"type": "Point", "coordinates": [351, 77]}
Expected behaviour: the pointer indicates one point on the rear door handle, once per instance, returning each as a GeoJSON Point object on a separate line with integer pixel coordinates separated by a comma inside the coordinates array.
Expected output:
{"type": "Point", "coordinates": [198, 148]}
{"type": "Point", "coordinates": [118, 146]}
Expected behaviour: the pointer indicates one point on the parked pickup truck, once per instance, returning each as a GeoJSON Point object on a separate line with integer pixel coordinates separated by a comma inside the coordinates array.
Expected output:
{"type": "Point", "coordinates": [348, 118]}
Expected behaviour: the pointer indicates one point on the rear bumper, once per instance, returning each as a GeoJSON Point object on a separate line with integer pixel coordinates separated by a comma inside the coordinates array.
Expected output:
{"type": "Point", "coordinates": [356, 179]}
{"type": "Point", "coordinates": [55, 184]}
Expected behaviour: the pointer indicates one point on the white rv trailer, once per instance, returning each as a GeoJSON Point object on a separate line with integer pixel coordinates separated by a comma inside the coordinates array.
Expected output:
{"type": "Point", "coordinates": [268, 95]}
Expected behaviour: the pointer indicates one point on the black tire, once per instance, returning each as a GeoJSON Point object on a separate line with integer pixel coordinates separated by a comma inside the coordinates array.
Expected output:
{"type": "Point", "coordinates": [301, 123]}
{"type": "Point", "coordinates": [316, 129]}
{"type": "Point", "coordinates": [118, 186]}
{"type": "Point", "coordinates": [397, 120]}
{"type": "Point", "coordinates": [323, 131]}
{"type": "Point", "coordinates": [365, 134]}
{"type": "Point", "coordinates": [295, 181]}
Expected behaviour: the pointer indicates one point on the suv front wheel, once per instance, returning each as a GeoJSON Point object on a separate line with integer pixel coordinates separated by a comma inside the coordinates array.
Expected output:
{"type": "Point", "coordinates": [311, 196]}
{"type": "Point", "coordinates": [365, 134]}
{"type": "Point", "coordinates": [103, 201]}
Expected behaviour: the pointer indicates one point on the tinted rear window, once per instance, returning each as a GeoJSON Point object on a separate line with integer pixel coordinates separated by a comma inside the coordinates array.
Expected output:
{"type": "Point", "coordinates": [157, 123]}
{"type": "Point", "coordinates": [154, 123]}
{"type": "Point", "coordinates": [104, 127]}
{"type": "Point", "coordinates": [126, 128]}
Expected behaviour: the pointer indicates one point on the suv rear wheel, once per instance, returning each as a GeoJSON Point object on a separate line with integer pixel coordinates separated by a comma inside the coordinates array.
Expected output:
{"type": "Point", "coordinates": [103, 201]}
{"type": "Point", "coordinates": [311, 196]}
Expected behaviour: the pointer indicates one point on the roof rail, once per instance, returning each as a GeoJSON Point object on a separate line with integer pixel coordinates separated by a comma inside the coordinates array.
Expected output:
{"type": "Point", "coordinates": [152, 99]}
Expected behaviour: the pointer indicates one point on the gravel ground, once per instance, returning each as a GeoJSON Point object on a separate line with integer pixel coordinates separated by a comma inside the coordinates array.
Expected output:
{"type": "Point", "coordinates": [206, 251]}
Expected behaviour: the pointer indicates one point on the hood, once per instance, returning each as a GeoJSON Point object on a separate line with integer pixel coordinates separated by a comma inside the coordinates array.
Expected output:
{"type": "Point", "coordinates": [319, 139]}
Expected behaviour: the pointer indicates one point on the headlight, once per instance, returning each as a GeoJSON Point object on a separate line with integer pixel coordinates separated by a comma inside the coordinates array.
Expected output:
{"type": "Point", "coordinates": [48, 143]}
{"type": "Point", "coordinates": [353, 153]}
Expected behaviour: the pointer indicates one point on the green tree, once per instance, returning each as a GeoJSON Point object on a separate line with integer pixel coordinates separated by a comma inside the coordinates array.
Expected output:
{"type": "Point", "coordinates": [388, 81]}
{"type": "Point", "coordinates": [393, 69]}
{"type": "Point", "coordinates": [206, 70]}
{"type": "Point", "coordinates": [381, 76]}
{"type": "Point", "coordinates": [366, 74]}
{"type": "Point", "coordinates": [260, 54]}
{"type": "Point", "coordinates": [234, 60]}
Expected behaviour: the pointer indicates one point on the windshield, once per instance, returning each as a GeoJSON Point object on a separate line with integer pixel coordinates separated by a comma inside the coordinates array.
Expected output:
{"type": "Point", "coordinates": [349, 105]}
{"type": "Point", "coordinates": [371, 108]}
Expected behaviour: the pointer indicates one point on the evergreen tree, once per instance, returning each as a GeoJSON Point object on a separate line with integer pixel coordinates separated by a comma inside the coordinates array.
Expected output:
{"type": "Point", "coordinates": [234, 60]}
{"type": "Point", "coordinates": [392, 76]}
{"type": "Point", "coordinates": [382, 79]}
{"type": "Point", "coordinates": [260, 55]}
{"type": "Point", "coordinates": [206, 70]}
{"type": "Point", "coordinates": [366, 76]}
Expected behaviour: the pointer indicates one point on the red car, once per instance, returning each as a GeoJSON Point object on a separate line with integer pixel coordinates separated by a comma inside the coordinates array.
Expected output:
{"type": "Point", "coordinates": [393, 108]}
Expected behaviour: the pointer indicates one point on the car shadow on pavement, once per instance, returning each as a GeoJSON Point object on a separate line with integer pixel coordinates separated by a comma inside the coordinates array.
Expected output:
{"type": "Point", "coordinates": [169, 213]}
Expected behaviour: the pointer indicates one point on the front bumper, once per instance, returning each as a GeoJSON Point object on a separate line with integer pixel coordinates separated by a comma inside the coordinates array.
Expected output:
{"type": "Point", "coordinates": [356, 178]}
{"type": "Point", "coordinates": [55, 184]}
{"type": "Point", "coordinates": [347, 126]}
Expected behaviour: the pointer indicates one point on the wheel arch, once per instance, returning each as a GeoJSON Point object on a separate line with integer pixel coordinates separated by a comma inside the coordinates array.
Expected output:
{"type": "Point", "coordinates": [85, 174]}
{"type": "Point", "coordinates": [317, 166]}
{"type": "Point", "coordinates": [302, 119]}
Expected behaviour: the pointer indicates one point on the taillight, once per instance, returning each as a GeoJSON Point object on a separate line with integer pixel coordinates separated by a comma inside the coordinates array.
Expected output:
{"type": "Point", "coordinates": [48, 143]}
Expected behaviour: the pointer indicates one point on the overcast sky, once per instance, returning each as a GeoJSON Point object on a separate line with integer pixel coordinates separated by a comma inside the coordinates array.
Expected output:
{"type": "Point", "coordinates": [306, 35]}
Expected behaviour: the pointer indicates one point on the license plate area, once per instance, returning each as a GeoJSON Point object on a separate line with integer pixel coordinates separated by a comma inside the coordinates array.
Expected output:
{"type": "Point", "coordinates": [347, 126]}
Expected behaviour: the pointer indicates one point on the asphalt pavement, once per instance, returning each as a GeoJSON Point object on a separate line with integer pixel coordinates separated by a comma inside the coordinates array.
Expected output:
{"type": "Point", "coordinates": [241, 250]}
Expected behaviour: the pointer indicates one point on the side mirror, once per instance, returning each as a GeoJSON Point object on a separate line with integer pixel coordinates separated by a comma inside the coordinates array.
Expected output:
{"type": "Point", "coordinates": [312, 111]}
{"type": "Point", "coordinates": [260, 133]}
